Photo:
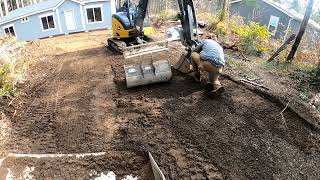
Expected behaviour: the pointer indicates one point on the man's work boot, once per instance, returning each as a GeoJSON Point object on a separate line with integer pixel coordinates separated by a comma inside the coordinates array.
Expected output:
{"type": "Point", "coordinates": [216, 86]}
{"type": "Point", "coordinates": [214, 89]}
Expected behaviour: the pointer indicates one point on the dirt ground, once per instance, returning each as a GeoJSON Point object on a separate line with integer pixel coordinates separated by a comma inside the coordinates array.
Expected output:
{"type": "Point", "coordinates": [74, 101]}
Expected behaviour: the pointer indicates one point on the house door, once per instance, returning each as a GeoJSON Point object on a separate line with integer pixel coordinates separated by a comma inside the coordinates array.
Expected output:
{"type": "Point", "coordinates": [9, 30]}
{"type": "Point", "coordinates": [68, 15]}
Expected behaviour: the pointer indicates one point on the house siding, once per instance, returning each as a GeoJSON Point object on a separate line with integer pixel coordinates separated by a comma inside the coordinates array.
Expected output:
{"type": "Point", "coordinates": [33, 28]}
{"type": "Point", "coordinates": [261, 13]}
{"type": "Point", "coordinates": [106, 16]}
{"type": "Point", "coordinates": [75, 7]}
{"type": "Point", "coordinates": [311, 35]}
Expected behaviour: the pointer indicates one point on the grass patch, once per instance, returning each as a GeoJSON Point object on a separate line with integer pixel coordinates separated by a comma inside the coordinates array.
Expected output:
{"type": "Point", "coordinates": [242, 69]}
{"type": "Point", "coordinates": [303, 74]}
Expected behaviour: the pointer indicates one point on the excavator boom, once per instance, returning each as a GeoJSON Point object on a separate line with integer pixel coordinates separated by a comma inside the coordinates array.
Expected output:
{"type": "Point", "coordinates": [141, 13]}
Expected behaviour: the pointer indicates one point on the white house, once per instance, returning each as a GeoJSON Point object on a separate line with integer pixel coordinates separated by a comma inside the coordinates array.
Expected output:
{"type": "Point", "coordinates": [55, 17]}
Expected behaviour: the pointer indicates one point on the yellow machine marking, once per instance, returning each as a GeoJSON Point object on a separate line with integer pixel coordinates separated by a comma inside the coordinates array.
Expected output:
{"type": "Point", "coordinates": [117, 29]}
{"type": "Point", "coordinates": [119, 32]}
{"type": "Point", "coordinates": [147, 31]}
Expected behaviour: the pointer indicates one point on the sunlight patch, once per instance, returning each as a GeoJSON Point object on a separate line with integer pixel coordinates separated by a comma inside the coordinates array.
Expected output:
{"type": "Point", "coordinates": [112, 176]}
{"type": "Point", "coordinates": [27, 173]}
{"type": "Point", "coordinates": [9, 175]}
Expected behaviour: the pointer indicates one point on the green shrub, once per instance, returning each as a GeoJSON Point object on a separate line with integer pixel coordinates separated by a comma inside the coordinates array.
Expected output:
{"type": "Point", "coordinates": [253, 38]}
{"type": "Point", "coordinates": [222, 29]}
{"type": "Point", "coordinates": [213, 20]}
{"type": "Point", "coordinates": [8, 90]}
{"type": "Point", "coordinates": [6, 83]}
{"type": "Point", "coordinates": [315, 79]}
{"type": "Point", "coordinates": [4, 71]}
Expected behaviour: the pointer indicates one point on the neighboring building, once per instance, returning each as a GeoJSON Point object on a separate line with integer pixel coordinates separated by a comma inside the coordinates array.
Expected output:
{"type": "Point", "coordinates": [55, 17]}
{"type": "Point", "coordinates": [280, 21]}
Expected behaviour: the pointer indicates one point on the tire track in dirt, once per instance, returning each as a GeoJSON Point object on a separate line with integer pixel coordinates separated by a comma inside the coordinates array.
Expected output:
{"type": "Point", "coordinates": [73, 110]}
{"type": "Point", "coordinates": [146, 128]}
{"type": "Point", "coordinates": [73, 113]}
{"type": "Point", "coordinates": [34, 130]}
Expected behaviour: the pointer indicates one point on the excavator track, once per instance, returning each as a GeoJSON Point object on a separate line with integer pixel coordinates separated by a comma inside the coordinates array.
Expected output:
{"type": "Point", "coordinates": [116, 45]}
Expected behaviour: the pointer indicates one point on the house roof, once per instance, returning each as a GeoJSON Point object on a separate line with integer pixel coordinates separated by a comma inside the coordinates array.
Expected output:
{"type": "Point", "coordinates": [37, 8]}
{"type": "Point", "coordinates": [290, 13]}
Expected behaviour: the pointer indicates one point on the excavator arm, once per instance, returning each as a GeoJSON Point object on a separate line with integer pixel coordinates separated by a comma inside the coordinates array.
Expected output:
{"type": "Point", "coordinates": [141, 12]}
{"type": "Point", "coordinates": [187, 17]}
{"type": "Point", "coordinates": [188, 37]}
{"type": "Point", "coordinates": [189, 22]}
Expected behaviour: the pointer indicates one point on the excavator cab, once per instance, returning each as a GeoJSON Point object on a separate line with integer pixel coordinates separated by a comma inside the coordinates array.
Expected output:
{"type": "Point", "coordinates": [130, 26]}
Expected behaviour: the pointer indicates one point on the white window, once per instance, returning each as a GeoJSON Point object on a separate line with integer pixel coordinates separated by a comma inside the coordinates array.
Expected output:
{"type": "Point", "coordinates": [25, 19]}
{"type": "Point", "coordinates": [9, 30]}
{"type": "Point", "coordinates": [273, 25]}
{"type": "Point", "coordinates": [94, 14]}
{"type": "Point", "coordinates": [47, 22]}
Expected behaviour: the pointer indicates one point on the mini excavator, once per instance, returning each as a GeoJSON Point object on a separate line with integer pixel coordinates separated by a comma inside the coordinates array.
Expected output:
{"type": "Point", "coordinates": [131, 28]}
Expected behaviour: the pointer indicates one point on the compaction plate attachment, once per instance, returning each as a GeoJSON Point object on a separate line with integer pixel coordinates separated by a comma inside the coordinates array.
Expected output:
{"type": "Point", "coordinates": [137, 75]}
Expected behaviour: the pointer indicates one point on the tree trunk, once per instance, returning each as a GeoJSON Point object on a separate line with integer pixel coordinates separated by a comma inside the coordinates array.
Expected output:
{"type": "Point", "coordinates": [284, 46]}
{"type": "Point", "coordinates": [301, 31]}
{"type": "Point", "coordinates": [22, 3]}
{"type": "Point", "coordinates": [225, 10]}
{"type": "Point", "coordinates": [6, 8]}
{"type": "Point", "coordinates": [11, 8]}
{"type": "Point", "coordinates": [34, 1]}
{"type": "Point", "coordinates": [18, 4]}
{"type": "Point", "coordinates": [1, 13]}
{"type": "Point", "coordinates": [318, 70]}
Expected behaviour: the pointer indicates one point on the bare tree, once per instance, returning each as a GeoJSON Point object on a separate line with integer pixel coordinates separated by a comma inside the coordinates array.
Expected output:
{"type": "Point", "coordinates": [18, 4]}
{"type": "Point", "coordinates": [318, 70]}
{"type": "Point", "coordinates": [225, 10]}
{"type": "Point", "coordinates": [6, 8]}
{"type": "Point", "coordinates": [1, 13]}
{"type": "Point", "coordinates": [301, 31]}
{"type": "Point", "coordinates": [10, 5]}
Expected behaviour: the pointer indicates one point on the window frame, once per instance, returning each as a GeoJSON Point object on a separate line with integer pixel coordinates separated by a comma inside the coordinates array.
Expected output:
{"type": "Point", "coordinates": [54, 21]}
{"type": "Point", "coordinates": [92, 7]}
{"type": "Point", "coordinates": [27, 20]}
{"type": "Point", "coordinates": [276, 28]}
{"type": "Point", "coordinates": [8, 26]}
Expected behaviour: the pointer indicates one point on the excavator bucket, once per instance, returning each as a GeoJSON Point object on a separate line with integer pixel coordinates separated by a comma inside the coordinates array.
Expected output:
{"type": "Point", "coordinates": [188, 37]}
{"type": "Point", "coordinates": [139, 72]}
{"type": "Point", "coordinates": [184, 64]}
